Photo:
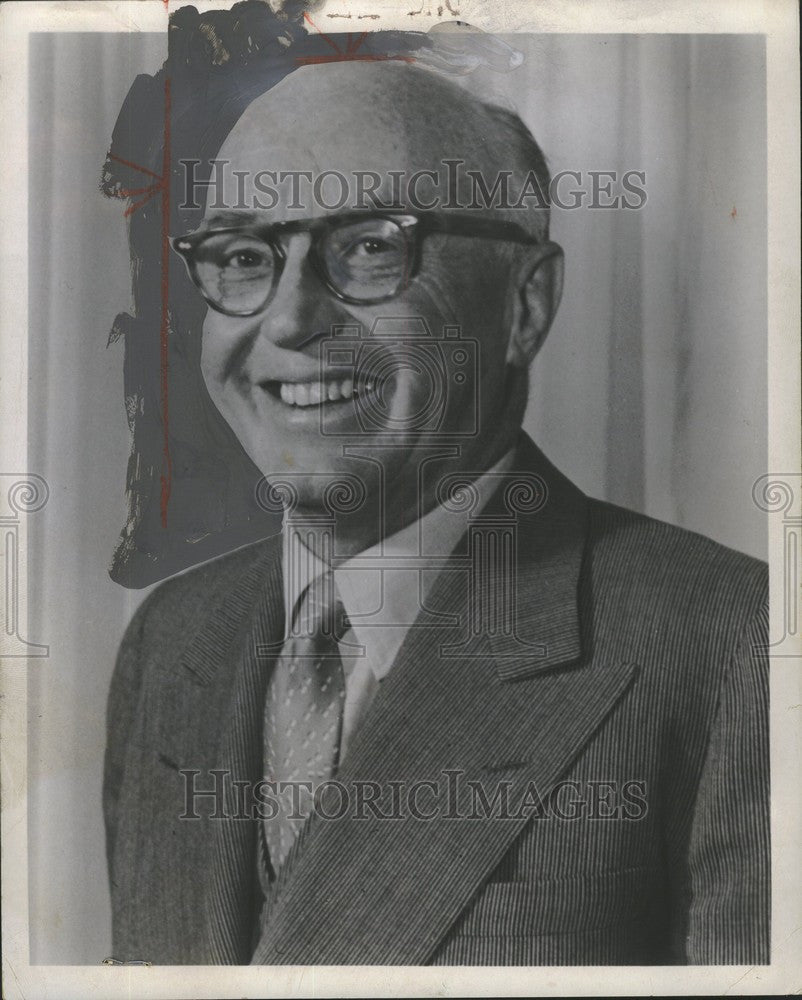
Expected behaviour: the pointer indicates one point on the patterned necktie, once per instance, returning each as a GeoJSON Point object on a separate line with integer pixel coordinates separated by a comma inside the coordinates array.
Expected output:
{"type": "Point", "coordinates": [303, 712]}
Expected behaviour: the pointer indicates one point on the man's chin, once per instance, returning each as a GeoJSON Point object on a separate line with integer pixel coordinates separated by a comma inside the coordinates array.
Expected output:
{"type": "Point", "coordinates": [314, 478]}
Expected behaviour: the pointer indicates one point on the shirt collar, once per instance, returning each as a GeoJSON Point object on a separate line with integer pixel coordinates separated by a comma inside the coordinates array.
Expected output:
{"type": "Point", "coordinates": [382, 588]}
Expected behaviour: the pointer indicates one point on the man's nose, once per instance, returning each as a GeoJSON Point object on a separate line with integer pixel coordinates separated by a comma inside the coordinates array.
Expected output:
{"type": "Point", "coordinates": [300, 305]}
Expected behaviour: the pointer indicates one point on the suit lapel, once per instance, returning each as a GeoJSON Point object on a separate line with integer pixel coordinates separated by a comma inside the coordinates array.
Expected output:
{"type": "Point", "coordinates": [501, 712]}
{"type": "Point", "coordinates": [220, 686]}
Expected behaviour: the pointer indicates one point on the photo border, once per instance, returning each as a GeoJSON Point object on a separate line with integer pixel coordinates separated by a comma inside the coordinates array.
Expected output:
{"type": "Point", "coordinates": [779, 22]}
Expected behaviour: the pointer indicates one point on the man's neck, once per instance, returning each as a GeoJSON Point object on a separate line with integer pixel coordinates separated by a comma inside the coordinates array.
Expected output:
{"type": "Point", "coordinates": [354, 532]}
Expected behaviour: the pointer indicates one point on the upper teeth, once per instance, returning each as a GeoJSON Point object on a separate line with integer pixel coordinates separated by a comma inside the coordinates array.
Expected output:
{"type": "Point", "coordinates": [313, 393]}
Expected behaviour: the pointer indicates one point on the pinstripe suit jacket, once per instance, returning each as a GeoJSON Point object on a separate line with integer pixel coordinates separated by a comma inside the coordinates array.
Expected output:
{"type": "Point", "coordinates": [641, 668]}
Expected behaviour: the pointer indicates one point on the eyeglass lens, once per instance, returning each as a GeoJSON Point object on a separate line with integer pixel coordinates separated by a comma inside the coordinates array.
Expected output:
{"type": "Point", "coordinates": [363, 260]}
{"type": "Point", "coordinates": [235, 271]}
{"type": "Point", "coordinates": [366, 259]}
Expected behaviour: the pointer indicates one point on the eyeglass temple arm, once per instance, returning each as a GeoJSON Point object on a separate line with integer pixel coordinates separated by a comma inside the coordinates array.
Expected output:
{"type": "Point", "coordinates": [467, 225]}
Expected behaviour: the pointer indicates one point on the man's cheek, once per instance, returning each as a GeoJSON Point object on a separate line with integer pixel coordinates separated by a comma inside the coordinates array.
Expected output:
{"type": "Point", "coordinates": [436, 293]}
{"type": "Point", "coordinates": [435, 302]}
{"type": "Point", "coordinates": [211, 363]}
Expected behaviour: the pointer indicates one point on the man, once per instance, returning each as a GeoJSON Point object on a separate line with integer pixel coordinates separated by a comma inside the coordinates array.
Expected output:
{"type": "Point", "coordinates": [458, 713]}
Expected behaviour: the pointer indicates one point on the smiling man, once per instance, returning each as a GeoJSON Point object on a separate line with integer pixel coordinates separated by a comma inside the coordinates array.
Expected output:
{"type": "Point", "coordinates": [281, 280]}
{"type": "Point", "coordinates": [458, 712]}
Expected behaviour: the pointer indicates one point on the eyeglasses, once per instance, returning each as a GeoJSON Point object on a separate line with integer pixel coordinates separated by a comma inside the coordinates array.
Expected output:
{"type": "Point", "coordinates": [361, 258]}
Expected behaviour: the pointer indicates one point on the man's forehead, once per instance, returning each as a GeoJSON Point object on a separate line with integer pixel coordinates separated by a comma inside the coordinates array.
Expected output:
{"type": "Point", "coordinates": [369, 116]}
{"type": "Point", "coordinates": [355, 135]}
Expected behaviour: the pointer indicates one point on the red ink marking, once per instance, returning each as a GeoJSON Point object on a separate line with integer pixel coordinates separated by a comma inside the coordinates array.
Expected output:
{"type": "Point", "coordinates": [161, 186]}
{"type": "Point", "coordinates": [148, 191]}
{"type": "Point", "coordinates": [353, 47]}
{"type": "Point", "coordinates": [325, 37]}
{"type": "Point", "coordinates": [134, 166]}
{"type": "Point", "coordinates": [138, 204]}
{"type": "Point", "coordinates": [349, 54]}
{"type": "Point", "coordinates": [347, 57]}
{"type": "Point", "coordinates": [167, 472]}
{"type": "Point", "coordinates": [733, 213]}
{"type": "Point", "coordinates": [130, 192]}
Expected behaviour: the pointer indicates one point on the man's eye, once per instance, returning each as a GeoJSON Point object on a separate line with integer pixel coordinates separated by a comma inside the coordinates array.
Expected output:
{"type": "Point", "coordinates": [370, 246]}
{"type": "Point", "coordinates": [244, 259]}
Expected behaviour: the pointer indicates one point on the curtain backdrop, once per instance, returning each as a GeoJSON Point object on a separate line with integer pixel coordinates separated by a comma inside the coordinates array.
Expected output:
{"type": "Point", "coordinates": [650, 392]}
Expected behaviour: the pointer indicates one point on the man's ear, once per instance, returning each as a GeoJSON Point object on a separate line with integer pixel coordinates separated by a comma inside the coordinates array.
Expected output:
{"type": "Point", "coordinates": [536, 299]}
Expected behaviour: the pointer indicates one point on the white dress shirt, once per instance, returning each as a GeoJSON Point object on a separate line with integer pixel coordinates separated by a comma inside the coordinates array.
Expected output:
{"type": "Point", "coordinates": [381, 595]}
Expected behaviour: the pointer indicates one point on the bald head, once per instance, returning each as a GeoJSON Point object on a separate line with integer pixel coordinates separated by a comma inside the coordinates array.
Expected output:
{"type": "Point", "coordinates": [380, 117]}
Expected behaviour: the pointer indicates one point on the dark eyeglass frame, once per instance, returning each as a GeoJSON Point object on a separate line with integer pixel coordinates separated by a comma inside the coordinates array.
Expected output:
{"type": "Point", "coordinates": [415, 226]}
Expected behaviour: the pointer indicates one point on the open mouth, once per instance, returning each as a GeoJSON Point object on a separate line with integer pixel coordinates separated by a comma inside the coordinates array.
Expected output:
{"type": "Point", "coordinates": [330, 392]}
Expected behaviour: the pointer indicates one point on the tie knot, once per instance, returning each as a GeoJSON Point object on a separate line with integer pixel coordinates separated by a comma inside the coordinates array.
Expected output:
{"type": "Point", "coordinates": [320, 611]}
